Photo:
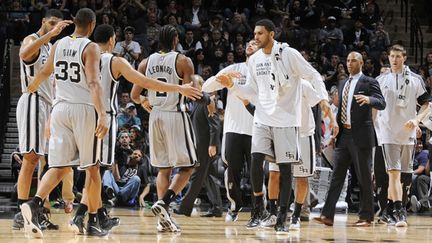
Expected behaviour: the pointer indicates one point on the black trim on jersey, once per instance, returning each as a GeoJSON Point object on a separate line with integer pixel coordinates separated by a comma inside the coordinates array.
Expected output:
{"type": "Point", "coordinates": [298, 143]}
{"type": "Point", "coordinates": [311, 154]}
{"type": "Point", "coordinates": [88, 43]}
{"type": "Point", "coordinates": [186, 138]}
{"type": "Point", "coordinates": [112, 100]}
{"type": "Point", "coordinates": [110, 137]}
{"type": "Point", "coordinates": [25, 75]}
{"type": "Point", "coordinates": [37, 122]}
{"type": "Point", "coordinates": [423, 98]}
{"type": "Point", "coordinates": [95, 140]}
{"type": "Point", "coordinates": [175, 67]}
{"type": "Point", "coordinates": [28, 121]}
{"type": "Point", "coordinates": [110, 69]}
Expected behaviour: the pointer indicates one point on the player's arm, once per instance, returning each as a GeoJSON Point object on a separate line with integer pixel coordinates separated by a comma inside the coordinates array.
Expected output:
{"type": "Point", "coordinates": [44, 73]}
{"type": "Point", "coordinates": [91, 60]}
{"type": "Point", "coordinates": [30, 47]}
{"type": "Point", "coordinates": [122, 67]}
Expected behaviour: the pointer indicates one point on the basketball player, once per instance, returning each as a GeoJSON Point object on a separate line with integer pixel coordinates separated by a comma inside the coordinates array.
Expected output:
{"type": "Point", "coordinates": [274, 82]}
{"type": "Point", "coordinates": [78, 119]}
{"type": "Point", "coordinates": [396, 126]}
{"type": "Point", "coordinates": [305, 169]}
{"type": "Point", "coordinates": [33, 108]}
{"type": "Point", "coordinates": [170, 129]}
{"type": "Point", "coordinates": [237, 130]}
{"type": "Point", "coordinates": [112, 68]}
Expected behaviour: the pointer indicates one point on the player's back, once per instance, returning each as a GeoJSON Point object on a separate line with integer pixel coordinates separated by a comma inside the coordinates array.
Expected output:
{"type": "Point", "coordinates": [69, 73]}
{"type": "Point", "coordinates": [162, 66]}
{"type": "Point", "coordinates": [109, 83]}
{"type": "Point", "coordinates": [29, 70]}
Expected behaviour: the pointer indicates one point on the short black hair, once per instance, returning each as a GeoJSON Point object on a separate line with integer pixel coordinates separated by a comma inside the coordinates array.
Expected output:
{"type": "Point", "coordinates": [267, 23]}
{"type": "Point", "coordinates": [166, 37]}
{"type": "Point", "coordinates": [129, 29]}
{"type": "Point", "coordinates": [53, 13]}
{"type": "Point", "coordinates": [84, 17]}
{"type": "Point", "coordinates": [103, 33]}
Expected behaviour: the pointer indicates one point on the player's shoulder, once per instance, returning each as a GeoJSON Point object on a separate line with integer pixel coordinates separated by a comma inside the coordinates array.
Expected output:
{"type": "Point", "coordinates": [383, 75]}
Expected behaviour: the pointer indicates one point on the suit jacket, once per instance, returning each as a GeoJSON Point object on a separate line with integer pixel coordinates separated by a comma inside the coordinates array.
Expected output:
{"type": "Point", "coordinates": [207, 129]}
{"type": "Point", "coordinates": [362, 127]}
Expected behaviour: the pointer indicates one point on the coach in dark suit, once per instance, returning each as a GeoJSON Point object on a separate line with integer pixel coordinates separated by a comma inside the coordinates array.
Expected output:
{"type": "Point", "coordinates": [207, 132]}
{"type": "Point", "coordinates": [354, 143]}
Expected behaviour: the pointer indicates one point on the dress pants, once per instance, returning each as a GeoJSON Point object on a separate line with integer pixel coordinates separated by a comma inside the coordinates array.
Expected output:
{"type": "Point", "coordinates": [348, 152]}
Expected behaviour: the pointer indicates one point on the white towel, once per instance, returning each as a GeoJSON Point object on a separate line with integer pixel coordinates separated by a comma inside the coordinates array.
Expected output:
{"type": "Point", "coordinates": [279, 66]}
{"type": "Point", "coordinates": [427, 120]}
{"type": "Point", "coordinates": [402, 92]}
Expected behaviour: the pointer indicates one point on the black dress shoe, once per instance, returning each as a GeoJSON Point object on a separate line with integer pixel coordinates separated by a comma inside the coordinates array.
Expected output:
{"type": "Point", "coordinates": [177, 211]}
{"type": "Point", "coordinates": [213, 213]}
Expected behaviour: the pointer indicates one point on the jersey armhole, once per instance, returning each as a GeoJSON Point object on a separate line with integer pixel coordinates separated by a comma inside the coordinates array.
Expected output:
{"type": "Point", "coordinates": [110, 70]}
{"type": "Point", "coordinates": [81, 54]}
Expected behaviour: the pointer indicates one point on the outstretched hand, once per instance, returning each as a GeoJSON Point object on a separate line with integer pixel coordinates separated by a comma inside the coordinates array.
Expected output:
{"type": "Point", "coordinates": [226, 79]}
{"type": "Point", "coordinates": [190, 92]}
{"type": "Point", "coordinates": [59, 27]}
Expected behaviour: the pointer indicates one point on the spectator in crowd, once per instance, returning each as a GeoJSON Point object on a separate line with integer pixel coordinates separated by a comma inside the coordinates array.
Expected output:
{"type": "Point", "coordinates": [18, 20]}
{"type": "Point", "coordinates": [333, 46]}
{"type": "Point", "coordinates": [379, 40]}
{"type": "Point", "coordinates": [196, 17]}
{"type": "Point", "coordinates": [207, 72]}
{"type": "Point", "coordinates": [346, 11]}
{"type": "Point", "coordinates": [239, 54]}
{"type": "Point", "coordinates": [138, 138]}
{"type": "Point", "coordinates": [420, 179]}
{"type": "Point", "coordinates": [122, 183]}
{"type": "Point", "coordinates": [330, 31]}
{"type": "Point", "coordinates": [128, 48]}
{"type": "Point", "coordinates": [107, 8]}
{"type": "Point", "coordinates": [199, 61]}
{"type": "Point", "coordinates": [136, 14]}
{"type": "Point", "coordinates": [173, 20]}
{"type": "Point", "coordinates": [371, 17]}
{"type": "Point", "coordinates": [124, 100]}
{"type": "Point", "coordinates": [287, 32]}
{"type": "Point", "coordinates": [383, 59]}
{"type": "Point", "coordinates": [297, 13]}
{"type": "Point", "coordinates": [239, 24]}
{"type": "Point", "coordinates": [358, 38]}
{"type": "Point", "coordinates": [370, 69]}
{"type": "Point", "coordinates": [229, 60]}
{"type": "Point", "coordinates": [330, 71]}
{"type": "Point", "coordinates": [123, 148]}
{"type": "Point", "coordinates": [217, 23]}
{"type": "Point", "coordinates": [189, 44]}
{"type": "Point", "coordinates": [217, 40]}
{"type": "Point", "coordinates": [107, 19]}
{"type": "Point", "coordinates": [129, 118]}
{"type": "Point", "coordinates": [428, 63]}
{"type": "Point", "coordinates": [39, 5]}
{"type": "Point", "coordinates": [172, 9]}
{"type": "Point", "coordinates": [152, 32]}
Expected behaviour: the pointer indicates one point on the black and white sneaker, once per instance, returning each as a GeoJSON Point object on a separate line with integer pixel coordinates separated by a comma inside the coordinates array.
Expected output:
{"type": "Point", "coordinates": [107, 222]}
{"type": "Point", "coordinates": [231, 216]}
{"type": "Point", "coordinates": [30, 212]}
{"type": "Point", "coordinates": [255, 220]}
{"type": "Point", "coordinates": [400, 218]}
{"type": "Point", "coordinates": [280, 226]}
{"type": "Point", "coordinates": [94, 229]}
{"type": "Point", "coordinates": [160, 209]}
{"type": "Point", "coordinates": [386, 218]}
{"type": "Point", "coordinates": [295, 223]}
{"type": "Point", "coordinates": [44, 220]}
{"type": "Point", "coordinates": [77, 224]}
{"type": "Point", "coordinates": [18, 221]}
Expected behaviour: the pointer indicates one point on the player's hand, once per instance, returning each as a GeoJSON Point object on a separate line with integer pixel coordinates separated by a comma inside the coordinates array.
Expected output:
{"type": "Point", "coordinates": [212, 151]}
{"type": "Point", "coordinates": [412, 124]}
{"type": "Point", "coordinates": [141, 201]}
{"type": "Point", "coordinates": [32, 87]}
{"type": "Point", "coordinates": [102, 127]}
{"type": "Point", "coordinates": [226, 79]}
{"type": "Point", "coordinates": [145, 104]}
{"type": "Point", "coordinates": [362, 99]}
{"type": "Point", "coordinates": [59, 27]}
{"type": "Point", "coordinates": [190, 92]}
{"type": "Point", "coordinates": [211, 108]}
{"type": "Point", "coordinates": [334, 127]}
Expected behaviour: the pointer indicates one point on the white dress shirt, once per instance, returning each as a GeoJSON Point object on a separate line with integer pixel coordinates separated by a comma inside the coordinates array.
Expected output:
{"type": "Point", "coordinates": [354, 81]}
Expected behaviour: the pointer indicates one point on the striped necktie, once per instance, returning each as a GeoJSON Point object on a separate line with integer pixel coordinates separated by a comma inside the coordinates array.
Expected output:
{"type": "Point", "coordinates": [345, 101]}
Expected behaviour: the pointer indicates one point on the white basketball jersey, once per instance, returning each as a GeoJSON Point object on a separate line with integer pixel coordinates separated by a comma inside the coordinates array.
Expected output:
{"type": "Point", "coordinates": [109, 84]}
{"type": "Point", "coordinates": [71, 81]}
{"type": "Point", "coordinates": [163, 68]}
{"type": "Point", "coordinates": [29, 70]}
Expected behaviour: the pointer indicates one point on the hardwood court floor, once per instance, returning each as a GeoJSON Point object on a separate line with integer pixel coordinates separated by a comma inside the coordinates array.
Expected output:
{"type": "Point", "coordinates": [139, 226]}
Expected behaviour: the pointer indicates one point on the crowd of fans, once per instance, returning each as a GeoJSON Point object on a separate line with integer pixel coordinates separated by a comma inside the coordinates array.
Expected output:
{"type": "Point", "coordinates": [214, 34]}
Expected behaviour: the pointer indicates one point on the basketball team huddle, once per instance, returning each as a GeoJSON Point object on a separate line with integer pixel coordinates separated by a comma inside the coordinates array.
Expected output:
{"type": "Point", "coordinates": [70, 98]}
